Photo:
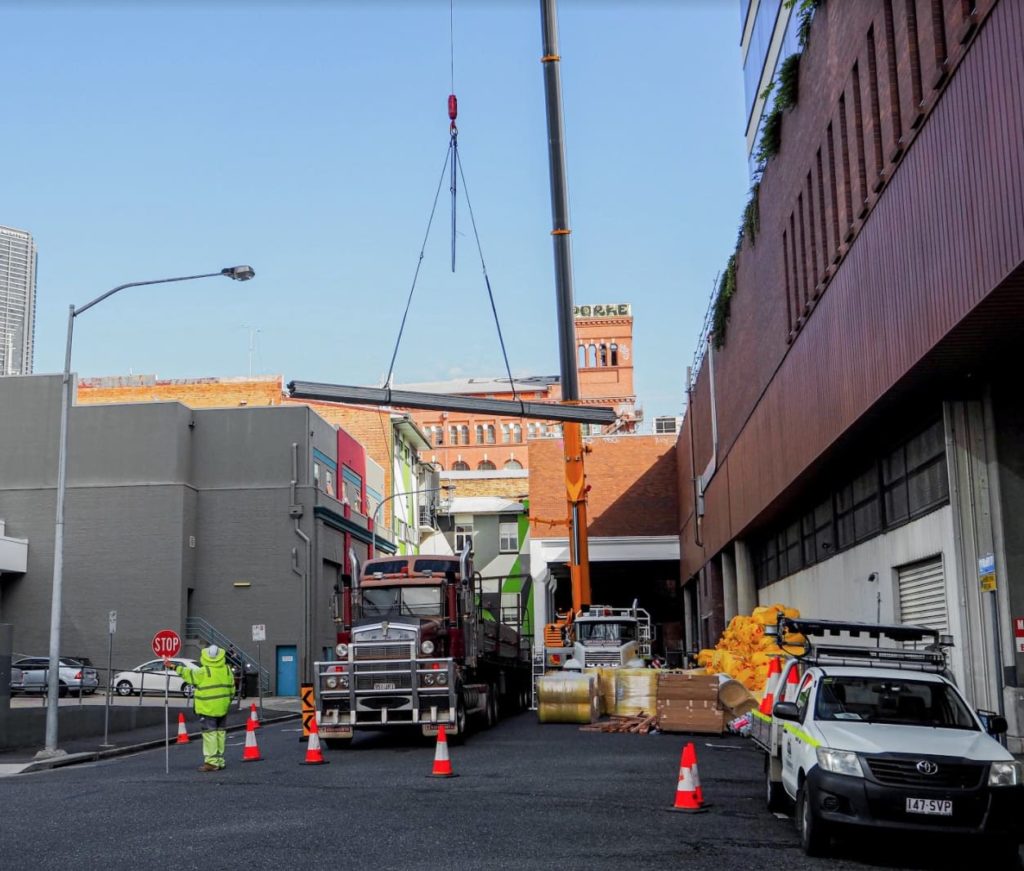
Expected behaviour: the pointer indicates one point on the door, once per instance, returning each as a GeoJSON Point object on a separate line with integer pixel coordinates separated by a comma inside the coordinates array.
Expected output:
{"type": "Point", "coordinates": [796, 748]}
{"type": "Point", "coordinates": [287, 670]}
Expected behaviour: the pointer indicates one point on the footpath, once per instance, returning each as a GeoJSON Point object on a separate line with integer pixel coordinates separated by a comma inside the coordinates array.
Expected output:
{"type": "Point", "coordinates": [89, 749]}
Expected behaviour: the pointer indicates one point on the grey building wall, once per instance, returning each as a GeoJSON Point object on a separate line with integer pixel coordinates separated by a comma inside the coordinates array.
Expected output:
{"type": "Point", "coordinates": [171, 513]}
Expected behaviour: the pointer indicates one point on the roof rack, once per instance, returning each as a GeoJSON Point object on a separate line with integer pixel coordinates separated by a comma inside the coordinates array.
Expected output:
{"type": "Point", "coordinates": [931, 658]}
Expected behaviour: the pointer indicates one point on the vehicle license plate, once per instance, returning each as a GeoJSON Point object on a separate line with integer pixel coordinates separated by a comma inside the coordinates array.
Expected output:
{"type": "Point", "coordinates": [935, 806]}
{"type": "Point", "coordinates": [390, 685]}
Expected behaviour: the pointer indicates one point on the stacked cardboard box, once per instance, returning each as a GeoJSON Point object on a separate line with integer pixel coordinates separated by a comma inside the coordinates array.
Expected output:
{"type": "Point", "coordinates": [688, 702]}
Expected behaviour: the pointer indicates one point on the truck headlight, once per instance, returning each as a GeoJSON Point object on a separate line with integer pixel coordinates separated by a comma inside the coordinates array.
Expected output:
{"type": "Point", "coordinates": [428, 680]}
{"type": "Point", "coordinates": [840, 762]}
{"type": "Point", "coordinates": [343, 681]}
{"type": "Point", "coordinates": [341, 650]}
{"type": "Point", "coordinates": [1005, 774]}
{"type": "Point", "coordinates": [427, 647]}
{"type": "Point", "coordinates": [332, 682]}
{"type": "Point", "coordinates": [442, 678]}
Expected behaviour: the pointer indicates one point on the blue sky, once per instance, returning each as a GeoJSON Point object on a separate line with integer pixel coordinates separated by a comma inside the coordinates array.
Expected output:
{"type": "Point", "coordinates": [145, 140]}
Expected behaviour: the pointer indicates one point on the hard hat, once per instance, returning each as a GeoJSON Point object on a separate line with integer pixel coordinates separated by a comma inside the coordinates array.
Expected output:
{"type": "Point", "coordinates": [212, 651]}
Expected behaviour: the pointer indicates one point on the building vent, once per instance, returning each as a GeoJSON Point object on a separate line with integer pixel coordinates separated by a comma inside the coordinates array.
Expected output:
{"type": "Point", "coordinates": [922, 594]}
{"type": "Point", "coordinates": [667, 425]}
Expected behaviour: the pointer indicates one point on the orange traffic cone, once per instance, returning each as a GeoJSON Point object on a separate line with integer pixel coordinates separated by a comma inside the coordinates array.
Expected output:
{"type": "Point", "coordinates": [774, 667]}
{"type": "Point", "coordinates": [182, 734]}
{"type": "Point", "coordinates": [767, 704]}
{"type": "Point", "coordinates": [314, 756]}
{"type": "Point", "coordinates": [792, 685]}
{"type": "Point", "coordinates": [254, 718]}
{"type": "Point", "coordinates": [252, 750]}
{"type": "Point", "coordinates": [689, 795]}
{"type": "Point", "coordinates": [442, 764]}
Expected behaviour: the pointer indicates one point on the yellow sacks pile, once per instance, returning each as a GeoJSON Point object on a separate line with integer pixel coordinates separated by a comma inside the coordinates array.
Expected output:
{"type": "Point", "coordinates": [744, 650]}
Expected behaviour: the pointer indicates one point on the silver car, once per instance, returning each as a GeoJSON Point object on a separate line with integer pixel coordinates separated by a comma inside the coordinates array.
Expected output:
{"type": "Point", "coordinates": [29, 675]}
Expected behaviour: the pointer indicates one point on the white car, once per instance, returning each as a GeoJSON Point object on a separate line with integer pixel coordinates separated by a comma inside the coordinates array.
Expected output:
{"type": "Point", "coordinates": [151, 678]}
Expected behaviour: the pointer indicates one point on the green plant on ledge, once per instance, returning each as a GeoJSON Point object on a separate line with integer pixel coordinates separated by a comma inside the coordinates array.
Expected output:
{"type": "Point", "coordinates": [751, 223]}
{"type": "Point", "coordinates": [789, 82]}
{"type": "Point", "coordinates": [723, 301]}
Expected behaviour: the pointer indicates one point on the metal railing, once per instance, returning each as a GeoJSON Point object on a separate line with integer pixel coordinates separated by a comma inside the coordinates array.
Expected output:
{"type": "Point", "coordinates": [197, 627]}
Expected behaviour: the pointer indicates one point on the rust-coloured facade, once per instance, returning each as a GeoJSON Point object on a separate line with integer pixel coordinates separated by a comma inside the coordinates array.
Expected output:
{"type": "Point", "coordinates": [884, 289]}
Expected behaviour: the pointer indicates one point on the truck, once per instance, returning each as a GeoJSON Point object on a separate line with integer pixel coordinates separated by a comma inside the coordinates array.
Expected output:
{"type": "Point", "coordinates": [423, 642]}
{"type": "Point", "coordinates": [600, 636]}
{"type": "Point", "coordinates": [865, 736]}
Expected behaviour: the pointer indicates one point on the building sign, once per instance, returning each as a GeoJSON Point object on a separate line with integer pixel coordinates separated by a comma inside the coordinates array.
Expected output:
{"type": "Point", "coordinates": [1018, 634]}
{"type": "Point", "coordinates": [987, 573]}
{"type": "Point", "coordinates": [618, 310]}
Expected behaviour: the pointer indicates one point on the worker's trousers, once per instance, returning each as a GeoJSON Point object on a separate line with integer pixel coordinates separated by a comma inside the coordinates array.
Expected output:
{"type": "Point", "coordinates": [213, 740]}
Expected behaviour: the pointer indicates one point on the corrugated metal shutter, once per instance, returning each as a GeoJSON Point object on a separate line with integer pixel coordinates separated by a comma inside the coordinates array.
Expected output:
{"type": "Point", "coordinates": [922, 592]}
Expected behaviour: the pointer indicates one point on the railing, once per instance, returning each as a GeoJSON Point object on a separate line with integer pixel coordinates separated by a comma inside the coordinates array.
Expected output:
{"type": "Point", "coordinates": [197, 627]}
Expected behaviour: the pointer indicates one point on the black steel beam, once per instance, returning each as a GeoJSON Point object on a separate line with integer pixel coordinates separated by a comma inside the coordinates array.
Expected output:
{"type": "Point", "coordinates": [448, 402]}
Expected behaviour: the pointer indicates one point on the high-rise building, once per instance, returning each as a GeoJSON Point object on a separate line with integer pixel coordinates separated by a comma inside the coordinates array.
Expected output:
{"type": "Point", "coordinates": [17, 301]}
{"type": "Point", "coordinates": [769, 36]}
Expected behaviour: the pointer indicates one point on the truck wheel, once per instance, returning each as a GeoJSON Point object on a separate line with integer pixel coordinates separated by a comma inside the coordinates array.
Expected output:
{"type": "Point", "coordinates": [814, 836]}
{"type": "Point", "coordinates": [775, 795]}
{"type": "Point", "coordinates": [492, 707]}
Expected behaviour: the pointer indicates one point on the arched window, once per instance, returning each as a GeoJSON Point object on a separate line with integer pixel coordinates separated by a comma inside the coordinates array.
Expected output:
{"type": "Point", "coordinates": [517, 433]}
{"type": "Point", "coordinates": [581, 356]}
{"type": "Point", "coordinates": [603, 353]}
{"type": "Point", "coordinates": [438, 435]}
{"type": "Point", "coordinates": [485, 466]}
{"type": "Point", "coordinates": [506, 433]}
{"type": "Point", "coordinates": [513, 464]}
{"type": "Point", "coordinates": [490, 433]}
{"type": "Point", "coordinates": [479, 433]}
{"type": "Point", "coordinates": [464, 429]}
{"type": "Point", "coordinates": [592, 356]}
{"type": "Point", "coordinates": [459, 466]}
{"type": "Point", "coordinates": [531, 430]}
{"type": "Point", "coordinates": [453, 433]}
{"type": "Point", "coordinates": [615, 354]}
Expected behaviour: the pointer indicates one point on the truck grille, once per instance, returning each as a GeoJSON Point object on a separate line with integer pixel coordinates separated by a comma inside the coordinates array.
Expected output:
{"type": "Point", "coordinates": [381, 651]}
{"type": "Point", "coordinates": [604, 658]}
{"type": "Point", "coordinates": [904, 772]}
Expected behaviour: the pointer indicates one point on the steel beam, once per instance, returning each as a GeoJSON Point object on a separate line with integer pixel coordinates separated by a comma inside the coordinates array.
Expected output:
{"type": "Point", "coordinates": [447, 402]}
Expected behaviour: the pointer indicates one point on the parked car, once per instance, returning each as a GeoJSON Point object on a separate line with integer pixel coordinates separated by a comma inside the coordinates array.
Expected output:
{"type": "Point", "coordinates": [151, 678]}
{"type": "Point", "coordinates": [29, 674]}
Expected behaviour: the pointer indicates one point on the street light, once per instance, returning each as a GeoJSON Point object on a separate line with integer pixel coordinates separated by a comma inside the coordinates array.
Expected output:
{"type": "Point", "coordinates": [238, 273]}
{"type": "Point", "coordinates": [383, 502]}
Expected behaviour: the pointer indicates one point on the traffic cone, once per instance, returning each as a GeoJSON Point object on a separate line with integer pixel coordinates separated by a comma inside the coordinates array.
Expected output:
{"type": "Point", "coordinates": [252, 750]}
{"type": "Point", "coordinates": [254, 718]}
{"type": "Point", "coordinates": [767, 704]}
{"type": "Point", "coordinates": [182, 734]}
{"type": "Point", "coordinates": [774, 667]}
{"type": "Point", "coordinates": [689, 795]}
{"type": "Point", "coordinates": [792, 685]}
{"type": "Point", "coordinates": [314, 756]}
{"type": "Point", "coordinates": [442, 764]}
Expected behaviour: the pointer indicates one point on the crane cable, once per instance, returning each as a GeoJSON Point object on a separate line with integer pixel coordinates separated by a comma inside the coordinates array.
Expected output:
{"type": "Point", "coordinates": [453, 164]}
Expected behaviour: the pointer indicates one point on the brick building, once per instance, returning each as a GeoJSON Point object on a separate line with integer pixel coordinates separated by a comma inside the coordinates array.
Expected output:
{"type": "Point", "coordinates": [852, 444]}
{"type": "Point", "coordinates": [463, 442]}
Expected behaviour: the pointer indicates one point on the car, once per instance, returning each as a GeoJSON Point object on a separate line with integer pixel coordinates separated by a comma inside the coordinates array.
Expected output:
{"type": "Point", "coordinates": [151, 678]}
{"type": "Point", "coordinates": [29, 674]}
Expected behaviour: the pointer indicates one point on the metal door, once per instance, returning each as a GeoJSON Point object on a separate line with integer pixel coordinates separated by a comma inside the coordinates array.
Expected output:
{"type": "Point", "coordinates": [287, 670]}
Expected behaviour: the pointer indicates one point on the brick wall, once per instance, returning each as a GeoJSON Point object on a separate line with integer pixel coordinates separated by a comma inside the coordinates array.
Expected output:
{"type": "Point", "coordinates": [192, 392]}
{"type": "Point", "coordinates": [510, 487]}
{"type": "Point", "coordinates": [633, 480]}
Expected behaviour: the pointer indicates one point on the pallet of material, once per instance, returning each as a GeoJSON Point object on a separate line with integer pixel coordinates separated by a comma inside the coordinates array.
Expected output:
{"type": "Point", "coordinates": [687, 685]}
{"type": "Point", "coordinates": [639, 724]}
{"type": "Point", "coordinates": [691, 715]}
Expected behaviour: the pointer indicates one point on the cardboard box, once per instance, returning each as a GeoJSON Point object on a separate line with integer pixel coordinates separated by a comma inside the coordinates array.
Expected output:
{"type": "Point", "coordinates": [703, 721]}
{"type": "Point", "coordinates": [674, 685]}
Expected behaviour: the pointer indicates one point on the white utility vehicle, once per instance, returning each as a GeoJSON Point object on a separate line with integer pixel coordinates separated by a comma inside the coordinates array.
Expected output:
{"type": "Point", "coordinates": [879, 737]}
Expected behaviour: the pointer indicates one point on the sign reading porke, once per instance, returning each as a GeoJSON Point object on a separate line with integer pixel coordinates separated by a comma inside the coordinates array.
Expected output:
{"type": "Point", "coordinates": [618, 310]}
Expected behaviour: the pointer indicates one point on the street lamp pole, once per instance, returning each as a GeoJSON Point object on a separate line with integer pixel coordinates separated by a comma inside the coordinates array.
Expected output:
{"type": "Point", "coordinates": [383, 502]}
{"type": "Point", "coordinates": [238, 273]}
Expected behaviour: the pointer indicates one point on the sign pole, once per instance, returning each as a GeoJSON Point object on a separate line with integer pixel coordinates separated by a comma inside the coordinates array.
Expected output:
{"type": "Point", "coordinates": [167, 723]}
{"type": "Point", "coordinates": [166, 643]}
{"type": "Point", "coordinates": [110, 677]}
{"type": "Point", "coordinates": [259, 676]}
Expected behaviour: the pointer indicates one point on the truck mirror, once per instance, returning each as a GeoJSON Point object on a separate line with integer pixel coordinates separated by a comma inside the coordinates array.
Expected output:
{"type": "Point", "coordinates": [786, 711]}
{"type": "Point", "coordinates": [997, 726]}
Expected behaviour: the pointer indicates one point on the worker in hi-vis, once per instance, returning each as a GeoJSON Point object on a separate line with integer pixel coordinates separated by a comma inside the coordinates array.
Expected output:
{"type": "Point", "coordinates": [214, 686]}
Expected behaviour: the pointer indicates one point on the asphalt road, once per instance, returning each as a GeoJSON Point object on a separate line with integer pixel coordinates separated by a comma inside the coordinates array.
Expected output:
{"type": "Point", "coordinates": [527, 796]}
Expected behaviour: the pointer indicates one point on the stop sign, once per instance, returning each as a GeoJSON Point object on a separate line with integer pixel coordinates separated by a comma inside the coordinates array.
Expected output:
{"type": "Point", "coordinates": [166, 642]}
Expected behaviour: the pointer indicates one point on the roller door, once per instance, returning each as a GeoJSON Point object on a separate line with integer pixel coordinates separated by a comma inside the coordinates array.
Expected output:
{"type": "Point", "coordinates": [922, 594]}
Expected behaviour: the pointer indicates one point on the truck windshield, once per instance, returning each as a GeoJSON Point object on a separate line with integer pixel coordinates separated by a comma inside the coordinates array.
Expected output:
{"type": "Point", "coordinates": [413, 601]}
{"type": "Point", "coordinates": [886, 700]}
{"type": "Point", "coordinates": [605, 632]}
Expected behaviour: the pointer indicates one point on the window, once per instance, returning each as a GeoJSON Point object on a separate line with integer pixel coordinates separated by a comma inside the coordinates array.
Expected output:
{"type": "Point", "coordinates": [508, 535]}
{"type": "Point", "coordinates": [479, 433]}
{"type": "Point", "coordinates": [615, 354]}
{"type": "Point", "coordinates": [581, 357]}
{"type": "Point", "coordinates": [517, 433]}
{"type": "Point", "coordinates": [438, 435]}
{"type": "Point", "coordinates": [490, 433]}
{"type": "Point", "coordinates": [352, 491]}
{"type": "Point", "coordinates": [513, 465]}
{"type": "Point", "coordinates": [463, 536]}
{"type": "Point", "coordinates": [464, 430]}
{"type": "Point", "coordinates": [531, 430]}
{"type": "Point", "coordinates": [460, 466]}
{"type": "Point", "coordinates": [316, 475]}
{"type": "Point", "coordinates": [506, 433]}
{"type": "Point", "coordinates": [328, 482]}
{"type": "Point", "coordinates": [453, 434]}
{"type": "Point", "coordinates": [592, 356]}
{"type": "Point", "coordinates": [485, 466]}
{"type": "Point", "coordinates": [603, 354]}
